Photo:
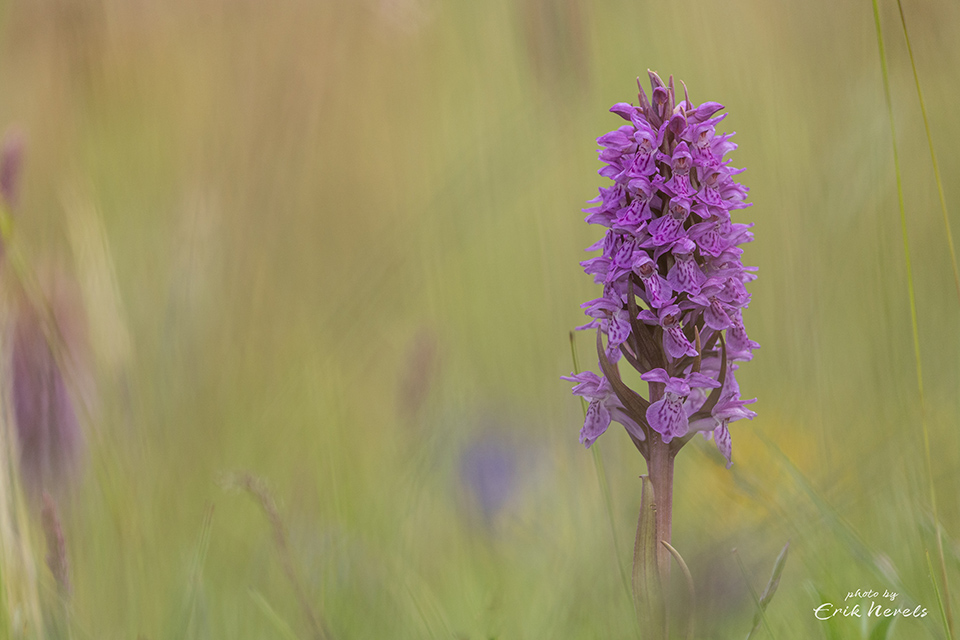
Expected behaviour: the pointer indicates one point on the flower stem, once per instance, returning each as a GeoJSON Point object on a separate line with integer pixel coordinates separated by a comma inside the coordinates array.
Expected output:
{"type": "Point", "coordinates": [660, 467]}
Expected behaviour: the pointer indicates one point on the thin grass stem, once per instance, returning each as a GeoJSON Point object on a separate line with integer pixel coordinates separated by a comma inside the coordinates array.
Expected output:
{"type": "Point", "coordinates": [910, 288]}
{"type": "Point", "coordinates": [753, 593]}
{"type": "Point", "coordinates": [602, 479]}
{"type": "Point", "coordinates": [940, 601]}
{"type": "Point", "coordinates": [933, 153]}
{"type": "Point", "coordinates": [956, 280]}
{"type": "Point", "coordinates": [278, 622]}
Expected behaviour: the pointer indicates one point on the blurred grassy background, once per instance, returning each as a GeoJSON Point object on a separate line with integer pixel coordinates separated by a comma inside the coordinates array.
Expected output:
{"type": "Point", "coordinates": [336, 245]}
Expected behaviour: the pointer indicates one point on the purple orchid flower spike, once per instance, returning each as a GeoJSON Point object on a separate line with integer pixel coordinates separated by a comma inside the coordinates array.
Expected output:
{"type": "Point", "coordinates": [674, 287]}
{"type": "Point", "coordinates": [670, 262]}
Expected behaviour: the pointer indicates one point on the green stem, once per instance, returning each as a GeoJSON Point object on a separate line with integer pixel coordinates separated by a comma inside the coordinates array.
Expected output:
{"type": "Point", "coordinates": [911, 295]}
{"type": "Point", "coordinates": [660, 470]}
{"type": "Point", "coordinates": [660, 467]}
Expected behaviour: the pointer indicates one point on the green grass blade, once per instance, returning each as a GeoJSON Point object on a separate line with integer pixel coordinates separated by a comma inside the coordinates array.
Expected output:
{"type": "Point", "coordinates": [956, 279]}
{"type": "Point", "coordinates": [881, 566]}
{"type": "Point", "coordinates": [903, 216]}
{"type": "Point", "coordinates": [271, 614]}
{"type": "Point", "coordinates": [770, 589]}
{"type": "Point", "coordinates": [830, 626]}
{"type": "Point", "coordinates": [602, 478]}
{"type": "Point", "coordinates": [882, 630]}
{"type": "Point", "coordinates": [195, 577]}
{"type": "Point", "coordinates": [756, 598]}
{"type": "Point", "coordinates": [576, 365]}
{"type": "Point", "coordinates": [647, 588]}
{"type": "Point", "coordinates": [691, 591]}
{"type": "Point", "coordinates": [910, 288]}
{"type": "Point", "coordinates": [944, 611]}
{"type": "Point", "coordinates": [774, 581]}
{"type": "Point", "coordinates": [842, 529]}
{"type": "Point", "coordinates": [933, 153]}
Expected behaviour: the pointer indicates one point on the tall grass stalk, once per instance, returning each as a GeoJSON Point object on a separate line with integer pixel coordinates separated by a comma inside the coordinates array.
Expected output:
{"type": "Point", "coordinates": [913, 307]}
{"type": "Point", "coordinates": [753, 594]}
{"type": "Point", "coordinates": [602, 480]}
{"type": "Point", "coordinates": [948, 618]}
{"type": "Point", "coordinates": [194, 584]}
{"type": "Point", "coordinates": [271, 614]}
{"type": "Point", "coordinates": [933, 153]}
{"type": "Point", "coordinates": [941, 604]}
{"type": "Point", "coordinates": [258, 491]}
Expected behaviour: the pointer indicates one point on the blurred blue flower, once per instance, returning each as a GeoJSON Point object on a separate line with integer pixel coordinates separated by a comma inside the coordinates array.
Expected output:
{"type": "Point", "coordinates": [488, 472]}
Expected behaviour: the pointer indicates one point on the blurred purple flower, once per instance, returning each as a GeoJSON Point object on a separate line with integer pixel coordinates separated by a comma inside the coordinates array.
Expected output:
{"type": "Point", "coordinates": [11, 166]}
{"type": "Point", "coordinates": [488, 470]}
{"type": "Point", "coordinates": [44, 410]}
{"type": "Point", "coordinates": [673, 282]}
{"type": "Point", "coordinates": [418, 373]}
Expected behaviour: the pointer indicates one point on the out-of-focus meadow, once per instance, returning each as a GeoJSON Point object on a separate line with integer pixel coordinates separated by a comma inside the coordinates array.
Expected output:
{"type": "Point", "coordinates": [336, 245]}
